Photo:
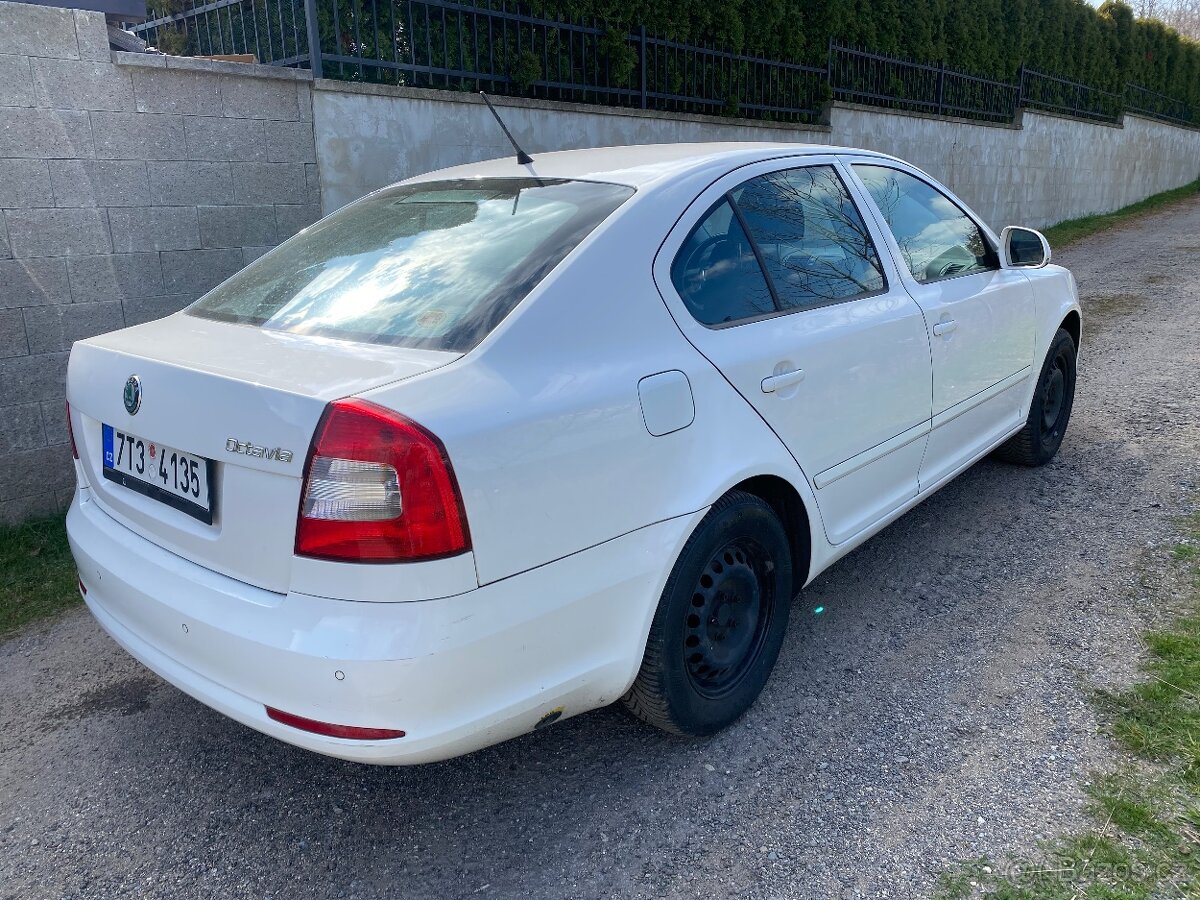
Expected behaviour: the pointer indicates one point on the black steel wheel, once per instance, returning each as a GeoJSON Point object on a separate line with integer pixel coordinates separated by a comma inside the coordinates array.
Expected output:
{"type": "Point", "coordinates": [730, 618]}
{"type": "Point", "coordinates": [1053, 399]}
{"type": "Point", "coordinates": [720, 622]}
{"type": "Point", "coordinates": [1053, 396]}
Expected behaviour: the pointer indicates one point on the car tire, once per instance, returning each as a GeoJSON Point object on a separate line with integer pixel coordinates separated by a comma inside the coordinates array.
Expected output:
{"type": "Point", "coordinates": [1053, 398]}
{"type": "Point", "coordinates": [720, 622]}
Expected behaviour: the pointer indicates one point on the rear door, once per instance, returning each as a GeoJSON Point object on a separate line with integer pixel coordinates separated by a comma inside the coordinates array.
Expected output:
{"type": "Point", "coordinates": [773, 275]}
{"type": "Point", "coordinates": [980, 316]}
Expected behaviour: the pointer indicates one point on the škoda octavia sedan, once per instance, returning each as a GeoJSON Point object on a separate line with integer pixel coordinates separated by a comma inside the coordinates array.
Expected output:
{"type": "Point", "coordinates": [505, 443]}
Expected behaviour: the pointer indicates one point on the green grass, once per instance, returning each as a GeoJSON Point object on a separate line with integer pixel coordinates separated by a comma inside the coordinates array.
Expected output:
{"type": "Point", "coordinates": [1072, 230]}
{"type": "Point", "coordinates": [37, 573]}
{"type": "Point", "coordinates": [1145, 842]}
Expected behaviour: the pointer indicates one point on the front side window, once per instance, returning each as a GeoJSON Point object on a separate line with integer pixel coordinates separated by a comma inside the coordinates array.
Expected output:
{"type": "Point", "coordinates": [435, 265]}
{"type": "Point", "coordinates": [813, 242]}
{"type": "Point", "coordinates": [937, 239]}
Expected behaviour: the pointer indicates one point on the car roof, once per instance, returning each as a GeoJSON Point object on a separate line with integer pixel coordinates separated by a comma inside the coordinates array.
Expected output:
{"type": "Point", "coordinates": [639, 165]}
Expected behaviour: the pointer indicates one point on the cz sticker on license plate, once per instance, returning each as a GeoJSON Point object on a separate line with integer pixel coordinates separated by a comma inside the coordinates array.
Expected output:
{"type": "Point", "coordinates": [171, 476]}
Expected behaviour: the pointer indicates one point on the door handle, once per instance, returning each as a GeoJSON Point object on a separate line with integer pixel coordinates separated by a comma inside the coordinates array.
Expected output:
{"type": "Point", "coordinates": [774, 383]}
{"type": "Point", "coordinates": [942, 328]}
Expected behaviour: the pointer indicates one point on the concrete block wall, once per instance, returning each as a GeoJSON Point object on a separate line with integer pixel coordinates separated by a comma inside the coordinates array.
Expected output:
{"type": "Point", "coordinates": [1038, 171]}
{"type": "Point", "coordinates": [1043, 170]}
{"type": "Point", "coordinates": [369, 136]}
{"type": "Point", "coordinates": [129, 186]}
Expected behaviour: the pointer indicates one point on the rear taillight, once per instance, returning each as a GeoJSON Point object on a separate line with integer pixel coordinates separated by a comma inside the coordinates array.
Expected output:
{"type": "Point", "coordinates": [71, 432]}
{"type": "Point", "coordinates": [378, 488]}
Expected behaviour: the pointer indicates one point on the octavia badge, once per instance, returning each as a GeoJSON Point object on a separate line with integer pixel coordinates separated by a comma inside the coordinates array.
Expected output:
{"type": "Point", "coordinates": [133, 395]}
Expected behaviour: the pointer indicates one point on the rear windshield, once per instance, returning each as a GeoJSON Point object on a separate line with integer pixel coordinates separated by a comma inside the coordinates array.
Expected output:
{"type": "Point", "coordinates": [434, 265]}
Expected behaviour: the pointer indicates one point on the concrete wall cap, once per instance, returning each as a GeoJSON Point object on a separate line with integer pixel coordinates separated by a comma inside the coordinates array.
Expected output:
{"type": "Point", "coordinates": [441, 96]}
{"type": "Point", "coordinates": [190, 64]}
{"type": "Point", "coordinates": [916, 114]}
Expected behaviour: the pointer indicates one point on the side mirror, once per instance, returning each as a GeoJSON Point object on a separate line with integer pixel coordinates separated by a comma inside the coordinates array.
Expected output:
{"type": "Point", "coordinates": [1025, 248]}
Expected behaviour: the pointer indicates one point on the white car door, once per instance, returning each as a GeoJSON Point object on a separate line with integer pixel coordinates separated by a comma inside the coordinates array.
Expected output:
{"type": "Point", "coordinates": [980, 316]}
{"type": "Point", "coordinates": [773, 275]}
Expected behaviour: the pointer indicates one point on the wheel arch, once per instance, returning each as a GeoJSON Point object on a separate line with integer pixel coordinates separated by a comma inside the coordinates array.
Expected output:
{"type": "Point", "coordinates": [781, 495]}
{"type": "Point", "coordinates": [1072, 324]}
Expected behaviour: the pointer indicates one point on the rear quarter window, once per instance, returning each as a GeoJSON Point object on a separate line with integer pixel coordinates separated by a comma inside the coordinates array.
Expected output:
{"type": "Point", "coordinates": [435, 265]}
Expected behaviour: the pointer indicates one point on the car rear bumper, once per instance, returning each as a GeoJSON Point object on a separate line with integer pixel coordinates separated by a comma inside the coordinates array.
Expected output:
{"type": "Point", "coordinates": [454, 674]}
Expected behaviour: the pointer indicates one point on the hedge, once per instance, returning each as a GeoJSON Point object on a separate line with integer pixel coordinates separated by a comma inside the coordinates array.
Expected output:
{"type": "Point", "coordinates": [1104, 47]}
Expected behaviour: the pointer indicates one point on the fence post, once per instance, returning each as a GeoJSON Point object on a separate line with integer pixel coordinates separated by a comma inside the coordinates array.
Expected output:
{"type": "Point", "coordinates": [642, 64]}
{"type": "Point", "coordinates": [829, 67]}
{"type": "Point", "coordinates": [314, 38]}
{"type": "Point", "coordinates": [1021, 85]}
{"type": "Point", "coordinates": [941, 88]}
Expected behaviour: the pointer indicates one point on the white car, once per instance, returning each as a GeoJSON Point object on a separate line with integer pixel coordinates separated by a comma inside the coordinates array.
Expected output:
{"type": "Point", "coordinates": [504, 443]}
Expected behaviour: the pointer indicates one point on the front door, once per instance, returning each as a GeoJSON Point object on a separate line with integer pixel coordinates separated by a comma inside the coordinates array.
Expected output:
{"type": "Point", "coordinates": [980, 316]}
{"type": "Point", "coordinates": [775, 278]}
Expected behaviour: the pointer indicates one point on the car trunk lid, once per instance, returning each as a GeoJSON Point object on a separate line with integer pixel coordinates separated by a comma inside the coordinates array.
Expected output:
{"type": "Point", "coordinates": [247, 398]}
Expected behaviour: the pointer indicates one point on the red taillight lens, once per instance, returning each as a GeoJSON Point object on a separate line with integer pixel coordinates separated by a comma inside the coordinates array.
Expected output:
{"type": "Point", "coordinates": [71, 432]}
{"type": "Point", "coordinates": [378, 488]}
{"type": "Point", "coordinates": [350, 732]}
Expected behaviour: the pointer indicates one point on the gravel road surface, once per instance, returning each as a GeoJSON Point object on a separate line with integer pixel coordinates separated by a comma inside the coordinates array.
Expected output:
{"type": "Point", "coordinates": [935, 711]}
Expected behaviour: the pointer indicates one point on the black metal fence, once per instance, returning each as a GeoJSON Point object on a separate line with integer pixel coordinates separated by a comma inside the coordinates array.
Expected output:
{"type": "Point", "coordinates": [701, 79]}
{"type": "Point", "coordinates": [1159, 106]}
{"type": "Point", "coordinates": [502, 48]}
{"type": "Point", "coordinates": [272, 31]}
{"type": "Point", "coordinates": [1070, 98]}
{"type": "Point", "coordinates": [458, 46]}
{"type": "Point", "coordinates": [860, 77]}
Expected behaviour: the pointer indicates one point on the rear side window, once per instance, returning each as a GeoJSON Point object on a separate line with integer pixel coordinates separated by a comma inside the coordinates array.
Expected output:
{"type": "Point", "coordinates": [937, 239]}
{"type": "Point", "coordinates": [435, 265]}
{"type": "Point", "coordinates": [780, 242]}
{"type": "Point", "coordinates": [813, 242]}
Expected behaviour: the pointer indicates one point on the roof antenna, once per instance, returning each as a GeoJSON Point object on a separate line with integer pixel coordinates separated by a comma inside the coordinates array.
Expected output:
{"type": "Point", "coordinates": [523, 158]}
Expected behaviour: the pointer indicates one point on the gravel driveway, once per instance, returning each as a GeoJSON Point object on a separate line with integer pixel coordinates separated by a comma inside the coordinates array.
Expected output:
{"type": "Point", "coordinates": [935, 711]}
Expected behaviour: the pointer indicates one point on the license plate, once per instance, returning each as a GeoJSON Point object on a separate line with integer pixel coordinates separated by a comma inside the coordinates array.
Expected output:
{"type": "Point", "coordinates": [171, 476]}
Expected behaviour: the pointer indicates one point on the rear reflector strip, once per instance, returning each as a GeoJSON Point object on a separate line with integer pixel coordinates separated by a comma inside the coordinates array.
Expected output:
{"type": "Point", "coordinates": [349, 732]}
{"type": "Point", "coordinates": [82, 586]}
